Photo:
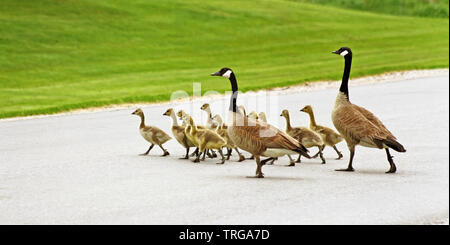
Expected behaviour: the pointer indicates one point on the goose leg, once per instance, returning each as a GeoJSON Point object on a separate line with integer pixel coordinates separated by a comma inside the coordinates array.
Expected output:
{"type": "Point", "coordinates": [149, 149]}
{"type": "Point", "coordinates": [166, 153]}
{"type": "Point", "coordinates": [241, 157]}
{"type": "Point", "coordinates": [338, 152]}
{"type": "Point", "coordinates": [298, 159]}
{"type": "Point", "coordinates": [393, 168]}
{"type": "Point", "coordinates": [213, 153]}
{"type": "Point", "coordinates": [223, 157]}
{"type": "Point", "coordinates": [204, 154]}
{"type": "Point", "coordinates": [321, 153]}
{"type": "Point", "coordinates": [350, 163]}
{"type": "Point", "coordinates": [195, 153]}
{"type": "Point", "coordinates": [263, 162]}
{"type": "Point", "coordinates": [251, 158]}
{"type": "Point", "coordinates": [228, 153]}
{"type": "Point", "coordinates": [259, 173]}
{"type": "Point", "coordinates": [187, 154]}
{"type": "Point", "coordinates": [197, 159]}
{"type": "Point", "coordinates": [291, 161]}
{"type": "Point", "coordinates": [316, 155]}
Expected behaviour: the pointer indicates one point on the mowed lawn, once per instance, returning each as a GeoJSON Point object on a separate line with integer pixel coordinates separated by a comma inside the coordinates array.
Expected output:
{"type": "Point", "coordinates": [62, 55]}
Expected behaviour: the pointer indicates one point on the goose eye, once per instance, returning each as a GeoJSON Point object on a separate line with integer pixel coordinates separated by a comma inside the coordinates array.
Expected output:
{"type": "Point", "coordinates": [227, 74]}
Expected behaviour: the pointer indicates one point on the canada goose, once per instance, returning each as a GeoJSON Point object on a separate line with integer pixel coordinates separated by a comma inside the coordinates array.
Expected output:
{"type": "Point", "coordinates": [210, 123]}
{"type": "Point", "coordinates": [151, 134]}
{"type": "Point", "coordinates": [205, 139]}
{"type": "Point", "coordinates": [178, 132]}
{"type": "Point", "coordinates": [357, 125]}
{"type": "Point", "coordinates": [258, 138]}
{"type": "Point", "coordinates": [328, 135]}
{"type": "Point", "coordinates": [305, 136]}
{"type": "Point", "coordinates": [222, 130]}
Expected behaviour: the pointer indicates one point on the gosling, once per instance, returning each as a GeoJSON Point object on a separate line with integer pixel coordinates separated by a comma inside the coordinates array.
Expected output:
{"type": "Point", "coordinates": [305, 136]}
{"type": "Point", "coordinates": [152, 134]}
{"type": "Point", "coordinates": [328, 135]}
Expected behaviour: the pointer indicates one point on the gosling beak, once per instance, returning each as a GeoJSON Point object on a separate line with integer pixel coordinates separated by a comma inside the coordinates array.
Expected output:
{"type": "Point", "coordinates": [133, 113]}
{"type": "Point", "coordinates": [281, 115]}
{"type": "Point", "coordinates": [215, 74]}
{"type": "Point", "coordinates": [302, 109]}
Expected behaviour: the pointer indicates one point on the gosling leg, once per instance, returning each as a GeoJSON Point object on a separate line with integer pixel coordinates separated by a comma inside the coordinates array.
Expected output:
{"type": "Point", "coordinates": [321, 153]}
{"type": "Point", "coordinates": [291, 161]}
{"type": "Point", "coordinates": [229, 153]}
{"type": "Point", "coordinates": [187, 154]}
{"type": "Point", "coordinates": [338, 152]}
{"type": "Point", "coordinates": [393, 168]}
{"type": "Point", "coordinates": [241, 157]}
{"type": "Point", "coordinates": [223, 157]}
{"type": "Point", "coordinates": [195, 153]}
{"type": "Point", "coordinates": [166, 153]}
{"type": "Point", "coordinates": [148, 151]}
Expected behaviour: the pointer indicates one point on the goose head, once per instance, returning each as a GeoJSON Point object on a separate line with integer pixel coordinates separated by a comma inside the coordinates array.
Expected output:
{"type": "Point", "coordinates": [253, 115]}
{"type": "Point", "coordinates": [168, 112]}
{"type": "Point", "coordinates": [344, 52]}
{"type": "Point", "coordinates": [262, 116]}
{"type": "Point", "coordinates": [307, 109]}
{"type": "Point", "coordinates": [204, 107]}
{"type": "Point", "coordinates": [224, 72]}
{"type": "Point", "coordinates": [138, 112]}
{"type": "Point", "coordinates": [284, 113]}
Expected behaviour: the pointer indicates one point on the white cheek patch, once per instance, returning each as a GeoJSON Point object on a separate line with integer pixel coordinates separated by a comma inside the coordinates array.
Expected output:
{"type": "Point", "coordinates": [344, 53]}
{"type": "Point", "coordinates": [227, 74]}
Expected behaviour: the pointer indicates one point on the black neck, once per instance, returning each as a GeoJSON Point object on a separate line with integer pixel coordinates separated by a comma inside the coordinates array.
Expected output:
{"type": "Point", "coordinates": [344, 84]}
{"type": "Point", "coordinates": [234, 89]}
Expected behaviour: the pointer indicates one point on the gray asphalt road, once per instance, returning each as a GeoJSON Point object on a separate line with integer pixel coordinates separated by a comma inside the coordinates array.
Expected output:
{"type": "Point", "coordinates": [85, 168]}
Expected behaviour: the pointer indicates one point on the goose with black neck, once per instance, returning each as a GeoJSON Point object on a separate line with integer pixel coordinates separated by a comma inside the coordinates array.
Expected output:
{"type": "Point", "coordinates": [357, 125]}
{"type": "Point", "coordinates": [256, 137]}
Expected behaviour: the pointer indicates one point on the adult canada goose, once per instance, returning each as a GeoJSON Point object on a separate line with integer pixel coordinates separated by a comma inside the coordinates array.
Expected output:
{"type": "Point", "coordinates": [357, 125]}
{"type": "Point", "coordinates": [178, 132]}
{"type": "Point", "coordinates": [210, 123]}
{"type": "Point", "coordinates": [305, 136]}
{"type": "Point", "coordinates": [328, 135]}
{"type": "Point", "coordinates": [222, 130]}
{"type": "Point", "coordinates": [258, 138]}
{"type": "Point", "coordinates": [205, 139]}
{"type": "Point", "coordinates": [152, 134]}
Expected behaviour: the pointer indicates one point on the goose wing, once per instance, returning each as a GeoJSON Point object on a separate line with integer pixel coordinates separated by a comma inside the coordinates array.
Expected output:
{"type": "Point", "coordinates": [373, 119]}
{"type": "Point", "coordinates": [257, 136]}
{"type": "Point", "coordinates": [354, 125]}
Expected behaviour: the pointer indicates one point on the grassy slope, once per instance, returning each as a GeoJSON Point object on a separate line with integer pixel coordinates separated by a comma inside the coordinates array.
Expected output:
{"type": "Point", "coordinates": [424, 8]}
{"type": "Point", "coordinates": [60, 55]}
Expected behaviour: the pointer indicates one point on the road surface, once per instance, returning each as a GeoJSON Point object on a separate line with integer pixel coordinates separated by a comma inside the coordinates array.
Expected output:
{"type": "Point", "coordinates": [85, 169]}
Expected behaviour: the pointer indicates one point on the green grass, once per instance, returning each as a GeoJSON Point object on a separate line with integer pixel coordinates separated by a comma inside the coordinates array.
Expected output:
{"type": "Point", "coordinates": [62, 55]}
{"type": "Point", "coordinates": [424, 8]}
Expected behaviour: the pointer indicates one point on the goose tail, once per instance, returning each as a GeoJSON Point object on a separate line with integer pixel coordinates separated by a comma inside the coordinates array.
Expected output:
{"type": "Point", "coordinates": [394, 144]}
{"type": "Point", "coordinates": [303, 151]}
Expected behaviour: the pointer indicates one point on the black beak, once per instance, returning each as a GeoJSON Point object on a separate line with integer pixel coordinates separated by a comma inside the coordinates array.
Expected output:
{"type": "Point", "coordinates": [335, 52]}
{"type": "Point", "coordinates": [215, 73]}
